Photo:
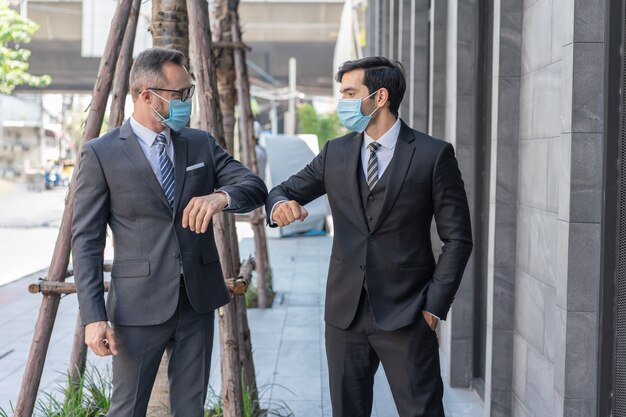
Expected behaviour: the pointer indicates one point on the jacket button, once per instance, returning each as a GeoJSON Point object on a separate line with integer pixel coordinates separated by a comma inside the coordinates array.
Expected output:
{"type": "Point", "coordinates": [177, 255]}
{"type": "Point", "coordinates": [371, 238]}
{"type": "Point", "coordinates": [371, 198]}
{"type": "Point", "coordinates": [362, 267]}
{"type": "Point", "coordinates": [370, 218]}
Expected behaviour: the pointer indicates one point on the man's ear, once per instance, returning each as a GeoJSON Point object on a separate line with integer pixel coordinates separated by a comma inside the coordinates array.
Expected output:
{"type": "Point", "coordinates": [382, 98]}
{"type": "Point", "coordinates": [145, 96]}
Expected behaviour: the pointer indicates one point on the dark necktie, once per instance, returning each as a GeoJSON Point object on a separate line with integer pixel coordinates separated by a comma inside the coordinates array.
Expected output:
{"type": "Point", "coordinates": [167, 169]}
{"type": "Point", "coordinates": [372, 165]}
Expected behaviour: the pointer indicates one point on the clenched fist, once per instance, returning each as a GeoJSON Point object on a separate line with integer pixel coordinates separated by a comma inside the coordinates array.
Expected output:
{"type": "Point", "coordinates": [288, 212]}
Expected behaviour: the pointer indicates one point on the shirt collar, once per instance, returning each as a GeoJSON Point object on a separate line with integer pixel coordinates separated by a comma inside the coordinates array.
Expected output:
{"type": "Point", "coordinates": [147, 135]}
{"type": "Point", "coordinates": [388, 140]}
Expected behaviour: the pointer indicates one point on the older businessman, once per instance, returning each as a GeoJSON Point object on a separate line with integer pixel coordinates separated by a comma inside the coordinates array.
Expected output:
{"type": "Point", "coordinates": [156, 184]}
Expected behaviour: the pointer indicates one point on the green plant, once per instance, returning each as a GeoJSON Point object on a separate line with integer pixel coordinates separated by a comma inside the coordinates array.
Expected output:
{"type": "Point", "coordinates": [4, 413]}
{"type": "Point", "coordinates": [90, 396]}
{"type": "Point", "coordinates": [251, 295]}
{"type": "Point", "coordinates": [326, 127]}
{"type": "Point", "coordinates": [274, 408]}
{"type": "Point", "coordinates": [14, 31]}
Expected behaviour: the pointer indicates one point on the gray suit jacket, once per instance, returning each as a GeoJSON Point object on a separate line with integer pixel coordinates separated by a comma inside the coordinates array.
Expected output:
{"type": "Point", "coordinates": [394, 255]}
{"type": "Point", "coordinates": [116, 186]}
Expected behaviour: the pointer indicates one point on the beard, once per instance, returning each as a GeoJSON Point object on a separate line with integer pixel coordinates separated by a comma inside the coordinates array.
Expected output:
{"type": "Point", "coordinates": [159, 113]}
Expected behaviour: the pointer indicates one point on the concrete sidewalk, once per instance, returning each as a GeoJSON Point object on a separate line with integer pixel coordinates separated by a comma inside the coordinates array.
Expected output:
{"type": "Point", "coordinates": [288, 340]}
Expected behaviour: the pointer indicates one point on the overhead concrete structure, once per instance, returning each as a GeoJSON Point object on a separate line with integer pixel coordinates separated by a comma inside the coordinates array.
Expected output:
{"type": "Point", "coordinates": [69, 43]}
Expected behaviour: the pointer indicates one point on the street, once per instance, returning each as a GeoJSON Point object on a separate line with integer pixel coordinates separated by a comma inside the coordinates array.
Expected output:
{"type": "Point", "coordinates": [29, 224]}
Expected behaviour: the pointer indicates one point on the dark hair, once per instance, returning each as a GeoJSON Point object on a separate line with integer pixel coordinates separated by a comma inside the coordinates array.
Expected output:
{"type": "Point", "coordinates": [147, 68]}
{"type": "Point", "coordinates": [380, 72]}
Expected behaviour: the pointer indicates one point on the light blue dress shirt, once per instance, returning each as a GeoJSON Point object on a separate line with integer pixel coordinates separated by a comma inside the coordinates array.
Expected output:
{"type": "Point", "coordinates": [147, 142]}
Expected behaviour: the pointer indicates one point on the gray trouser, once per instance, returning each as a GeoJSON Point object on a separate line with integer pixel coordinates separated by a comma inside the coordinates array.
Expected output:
{"type": "Point", "coordinates": [188, 338]}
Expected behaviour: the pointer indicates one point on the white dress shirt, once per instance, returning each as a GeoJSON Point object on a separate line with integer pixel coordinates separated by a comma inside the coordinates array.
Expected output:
{"type": "Point", "coordinates": [385, 152]}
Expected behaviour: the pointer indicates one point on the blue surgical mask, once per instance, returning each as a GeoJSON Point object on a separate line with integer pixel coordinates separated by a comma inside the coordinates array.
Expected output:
{"type": "Point", "coordinates": [350, 115]}
{"type": "Point", "coordinates": [180, 113]}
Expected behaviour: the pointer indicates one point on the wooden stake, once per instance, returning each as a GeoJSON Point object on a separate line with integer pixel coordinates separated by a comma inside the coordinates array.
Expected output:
{"type": "Point", "coordinates": [234, 45]}
{"type": "Point", "coordinates": [246, 122]}
{"type": "Point", "coordinates": [122, 70]}
{"type": "Point", "coordinates": [78, 359]}
{"type": "Point", "coordinates": [237, 285]}
{"type": "Point", "coordinates": [60, 258]}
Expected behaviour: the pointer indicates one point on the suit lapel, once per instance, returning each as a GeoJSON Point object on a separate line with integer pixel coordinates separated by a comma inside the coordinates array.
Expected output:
{"type": "Point", "coordinates": [131, 147]}
{"type": "Point", "coordinates": [351, 163]}
{"type": "Point", "coordinates": [180, 164]}
{"type": "Point", "coordinates": [402, 156]}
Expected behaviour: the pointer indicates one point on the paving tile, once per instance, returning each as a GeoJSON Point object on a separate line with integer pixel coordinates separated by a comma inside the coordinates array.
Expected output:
{"type": "Point", "coordinates": [305, 408]}
{"type": "Point", "coordinates": [297, 388]}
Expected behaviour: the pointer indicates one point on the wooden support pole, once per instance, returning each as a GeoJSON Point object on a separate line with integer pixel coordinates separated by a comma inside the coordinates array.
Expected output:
{"type": "Point", "coordinates": [122, 70]}
{"type": "Point", "coordinates": [233, 45]}
{"type": "Point", "coordinates": [60, 258]}
{"type": "Point", "coordinates": [220, 19]}
{"type": "Point", "coordinates": [236, 285]}
{"type": "Point", "coordinates": [248, 141]}
{"type": "Point", "coordinates": [232, 394]}
{"type": "Point", "coordinates": [78, 359]}
{"type": "Point", "coordinates": [248, 371]}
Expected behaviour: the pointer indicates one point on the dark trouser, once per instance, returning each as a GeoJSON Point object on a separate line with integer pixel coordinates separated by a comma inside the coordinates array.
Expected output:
{"type": "Point", "coordinates": [188, 338]}
{"type": "Point", "coordinates": [410, 358]}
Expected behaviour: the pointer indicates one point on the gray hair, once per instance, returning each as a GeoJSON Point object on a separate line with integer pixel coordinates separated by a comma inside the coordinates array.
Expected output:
{"type": "Point", "coordinates": [147, 68]}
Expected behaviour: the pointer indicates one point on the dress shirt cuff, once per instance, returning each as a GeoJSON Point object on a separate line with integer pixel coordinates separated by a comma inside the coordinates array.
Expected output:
{"type": "Point", "coordinates": [272, 212]}
{"type": "Point", "coordinates": [432, 315]}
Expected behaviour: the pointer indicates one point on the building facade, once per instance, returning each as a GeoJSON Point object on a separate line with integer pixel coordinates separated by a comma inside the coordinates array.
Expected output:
{"type": "Point", "coordinates": [530, 94]}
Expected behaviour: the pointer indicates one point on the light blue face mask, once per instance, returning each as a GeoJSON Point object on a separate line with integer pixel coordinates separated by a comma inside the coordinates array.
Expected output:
{"type": "Point", "coordinates": [180, 113]}
{"type": "Point", "coordinates": [350, 115]}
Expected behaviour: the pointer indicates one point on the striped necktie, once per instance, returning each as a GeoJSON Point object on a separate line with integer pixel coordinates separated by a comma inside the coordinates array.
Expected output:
{"type": "Point", "coordinates": [372, 165]}
{"type": "Point", "coordinates": [167, 169]}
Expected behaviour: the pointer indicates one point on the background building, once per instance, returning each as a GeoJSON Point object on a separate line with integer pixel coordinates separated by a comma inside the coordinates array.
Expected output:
{"type": "Point", "coordinates": [529, 92]}
{"type": "Point", "coordinates": [73, 33]}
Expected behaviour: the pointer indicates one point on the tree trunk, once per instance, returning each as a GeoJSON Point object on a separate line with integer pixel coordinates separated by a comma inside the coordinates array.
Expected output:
{"type": "Point", "coordinates": [169, 29]}
{"type": "Point", "coordinates": [224, 224]}
{"type": "Point", "coordinates": [170, 25]}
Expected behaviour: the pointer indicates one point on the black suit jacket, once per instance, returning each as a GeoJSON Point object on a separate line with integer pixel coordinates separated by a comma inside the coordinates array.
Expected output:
{"type": "Point", "coordinates": [395, 256]}
{"type": "Point", "coordinates": [116, 186]}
